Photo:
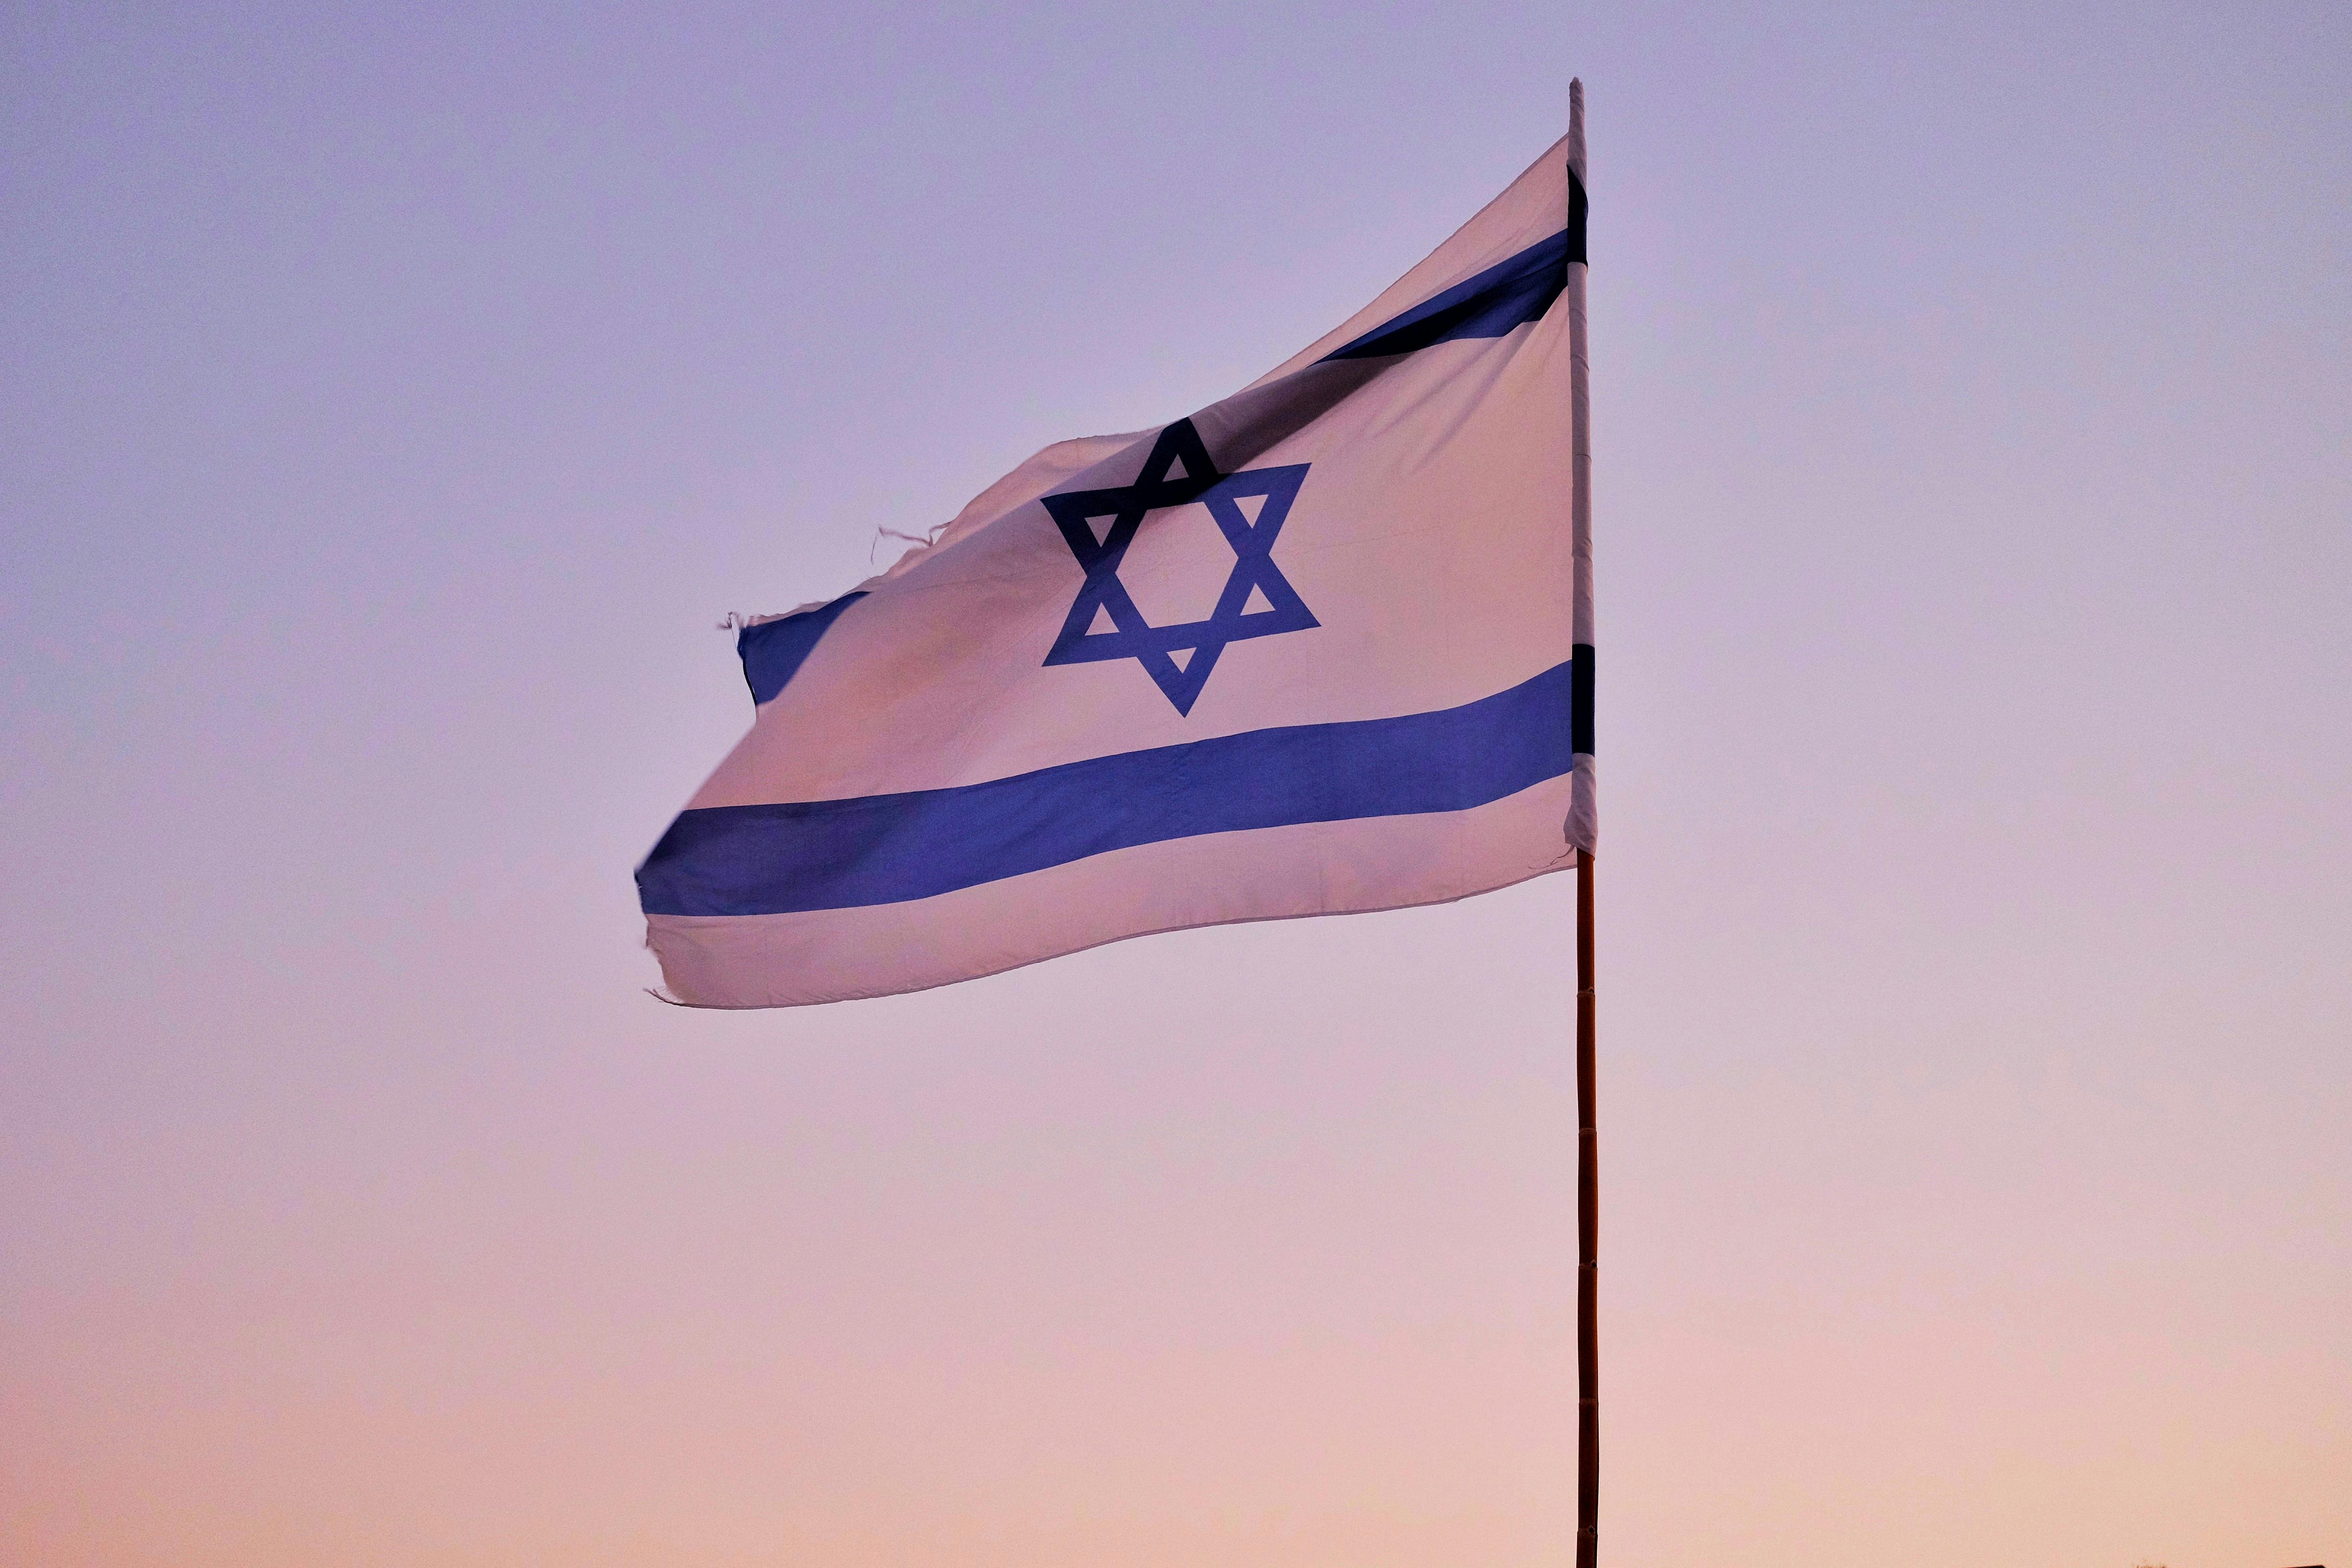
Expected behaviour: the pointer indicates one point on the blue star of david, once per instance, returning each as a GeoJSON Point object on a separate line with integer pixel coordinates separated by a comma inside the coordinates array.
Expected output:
{"type": "Point", "coordinates": [1178, 473]}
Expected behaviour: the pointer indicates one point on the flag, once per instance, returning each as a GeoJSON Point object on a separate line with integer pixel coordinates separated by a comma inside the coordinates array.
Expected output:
{"type": "Point", "coordinates": [1321, 648]}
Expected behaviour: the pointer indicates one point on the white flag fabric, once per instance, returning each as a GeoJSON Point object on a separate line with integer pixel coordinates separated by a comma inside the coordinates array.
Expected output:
{"type": "Point", "coordinates": [1313, 650]}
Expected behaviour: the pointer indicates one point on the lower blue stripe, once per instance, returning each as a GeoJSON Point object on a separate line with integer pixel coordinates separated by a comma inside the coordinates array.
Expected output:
{"type": "Point", "coordinates": [888, 848]}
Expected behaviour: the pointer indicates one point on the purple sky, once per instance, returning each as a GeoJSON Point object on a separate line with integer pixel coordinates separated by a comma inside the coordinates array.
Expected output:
{"type": "Point", "coordinates": [391, 401]}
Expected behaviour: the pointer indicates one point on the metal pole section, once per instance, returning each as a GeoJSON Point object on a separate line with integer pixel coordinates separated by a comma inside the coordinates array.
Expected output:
{"type": "Point", "coordinates": [1581, 826]}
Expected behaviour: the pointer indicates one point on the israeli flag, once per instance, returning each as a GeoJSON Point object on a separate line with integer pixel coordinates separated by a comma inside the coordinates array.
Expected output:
{"type": "Point", "coordinates": [1323, 646]}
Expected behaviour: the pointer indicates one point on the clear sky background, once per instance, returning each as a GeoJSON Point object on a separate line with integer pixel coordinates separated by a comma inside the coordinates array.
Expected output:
{"type": "Point", "coordinates": [392, 400]}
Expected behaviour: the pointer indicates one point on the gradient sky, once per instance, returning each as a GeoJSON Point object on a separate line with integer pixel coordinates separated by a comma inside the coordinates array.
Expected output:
{"type": "Point", "coordinates": [393, 399]}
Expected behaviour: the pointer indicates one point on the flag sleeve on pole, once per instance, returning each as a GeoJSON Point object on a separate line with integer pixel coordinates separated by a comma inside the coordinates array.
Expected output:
{"type": "Point", "coordinates": [1584, 828]}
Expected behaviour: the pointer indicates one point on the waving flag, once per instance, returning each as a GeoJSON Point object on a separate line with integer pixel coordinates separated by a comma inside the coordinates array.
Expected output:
{"type": "Point", "coordinates": [1321, 648]}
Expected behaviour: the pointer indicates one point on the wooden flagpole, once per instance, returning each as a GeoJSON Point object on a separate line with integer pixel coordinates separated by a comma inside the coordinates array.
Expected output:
{"type": "Point", "coordinates": [1588, 1225]}
{"type": "Point", "coordinates": [1588, 1162]}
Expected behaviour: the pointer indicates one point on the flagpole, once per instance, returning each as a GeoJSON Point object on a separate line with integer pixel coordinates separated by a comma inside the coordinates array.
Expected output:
{"type": "Point", "coordinates": [1581, 829]}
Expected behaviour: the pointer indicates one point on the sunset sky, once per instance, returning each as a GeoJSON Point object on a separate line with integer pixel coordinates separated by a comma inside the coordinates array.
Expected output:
{"type": "Point", "coordinates": [394, 399]}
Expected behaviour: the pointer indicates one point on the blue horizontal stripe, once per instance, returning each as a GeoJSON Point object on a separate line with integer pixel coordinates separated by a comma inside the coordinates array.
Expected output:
{"type": "Point", "coordinates": [772, 651]}
{"type": "Point", "coordinates": [1508, 294]}
{"type": "Point", "coordinates": [1581, 733]}
{"type": "Point", "coordinates": [888, 848]}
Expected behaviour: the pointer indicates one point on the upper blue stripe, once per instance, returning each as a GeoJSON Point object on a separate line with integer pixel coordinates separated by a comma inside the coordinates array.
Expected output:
{"type": "Point", "coordinates": [888, 848]}
{"type": "Point", "coordinates": [772, 651]}
{"type": "Point", "coordinates": [1507, 294]}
